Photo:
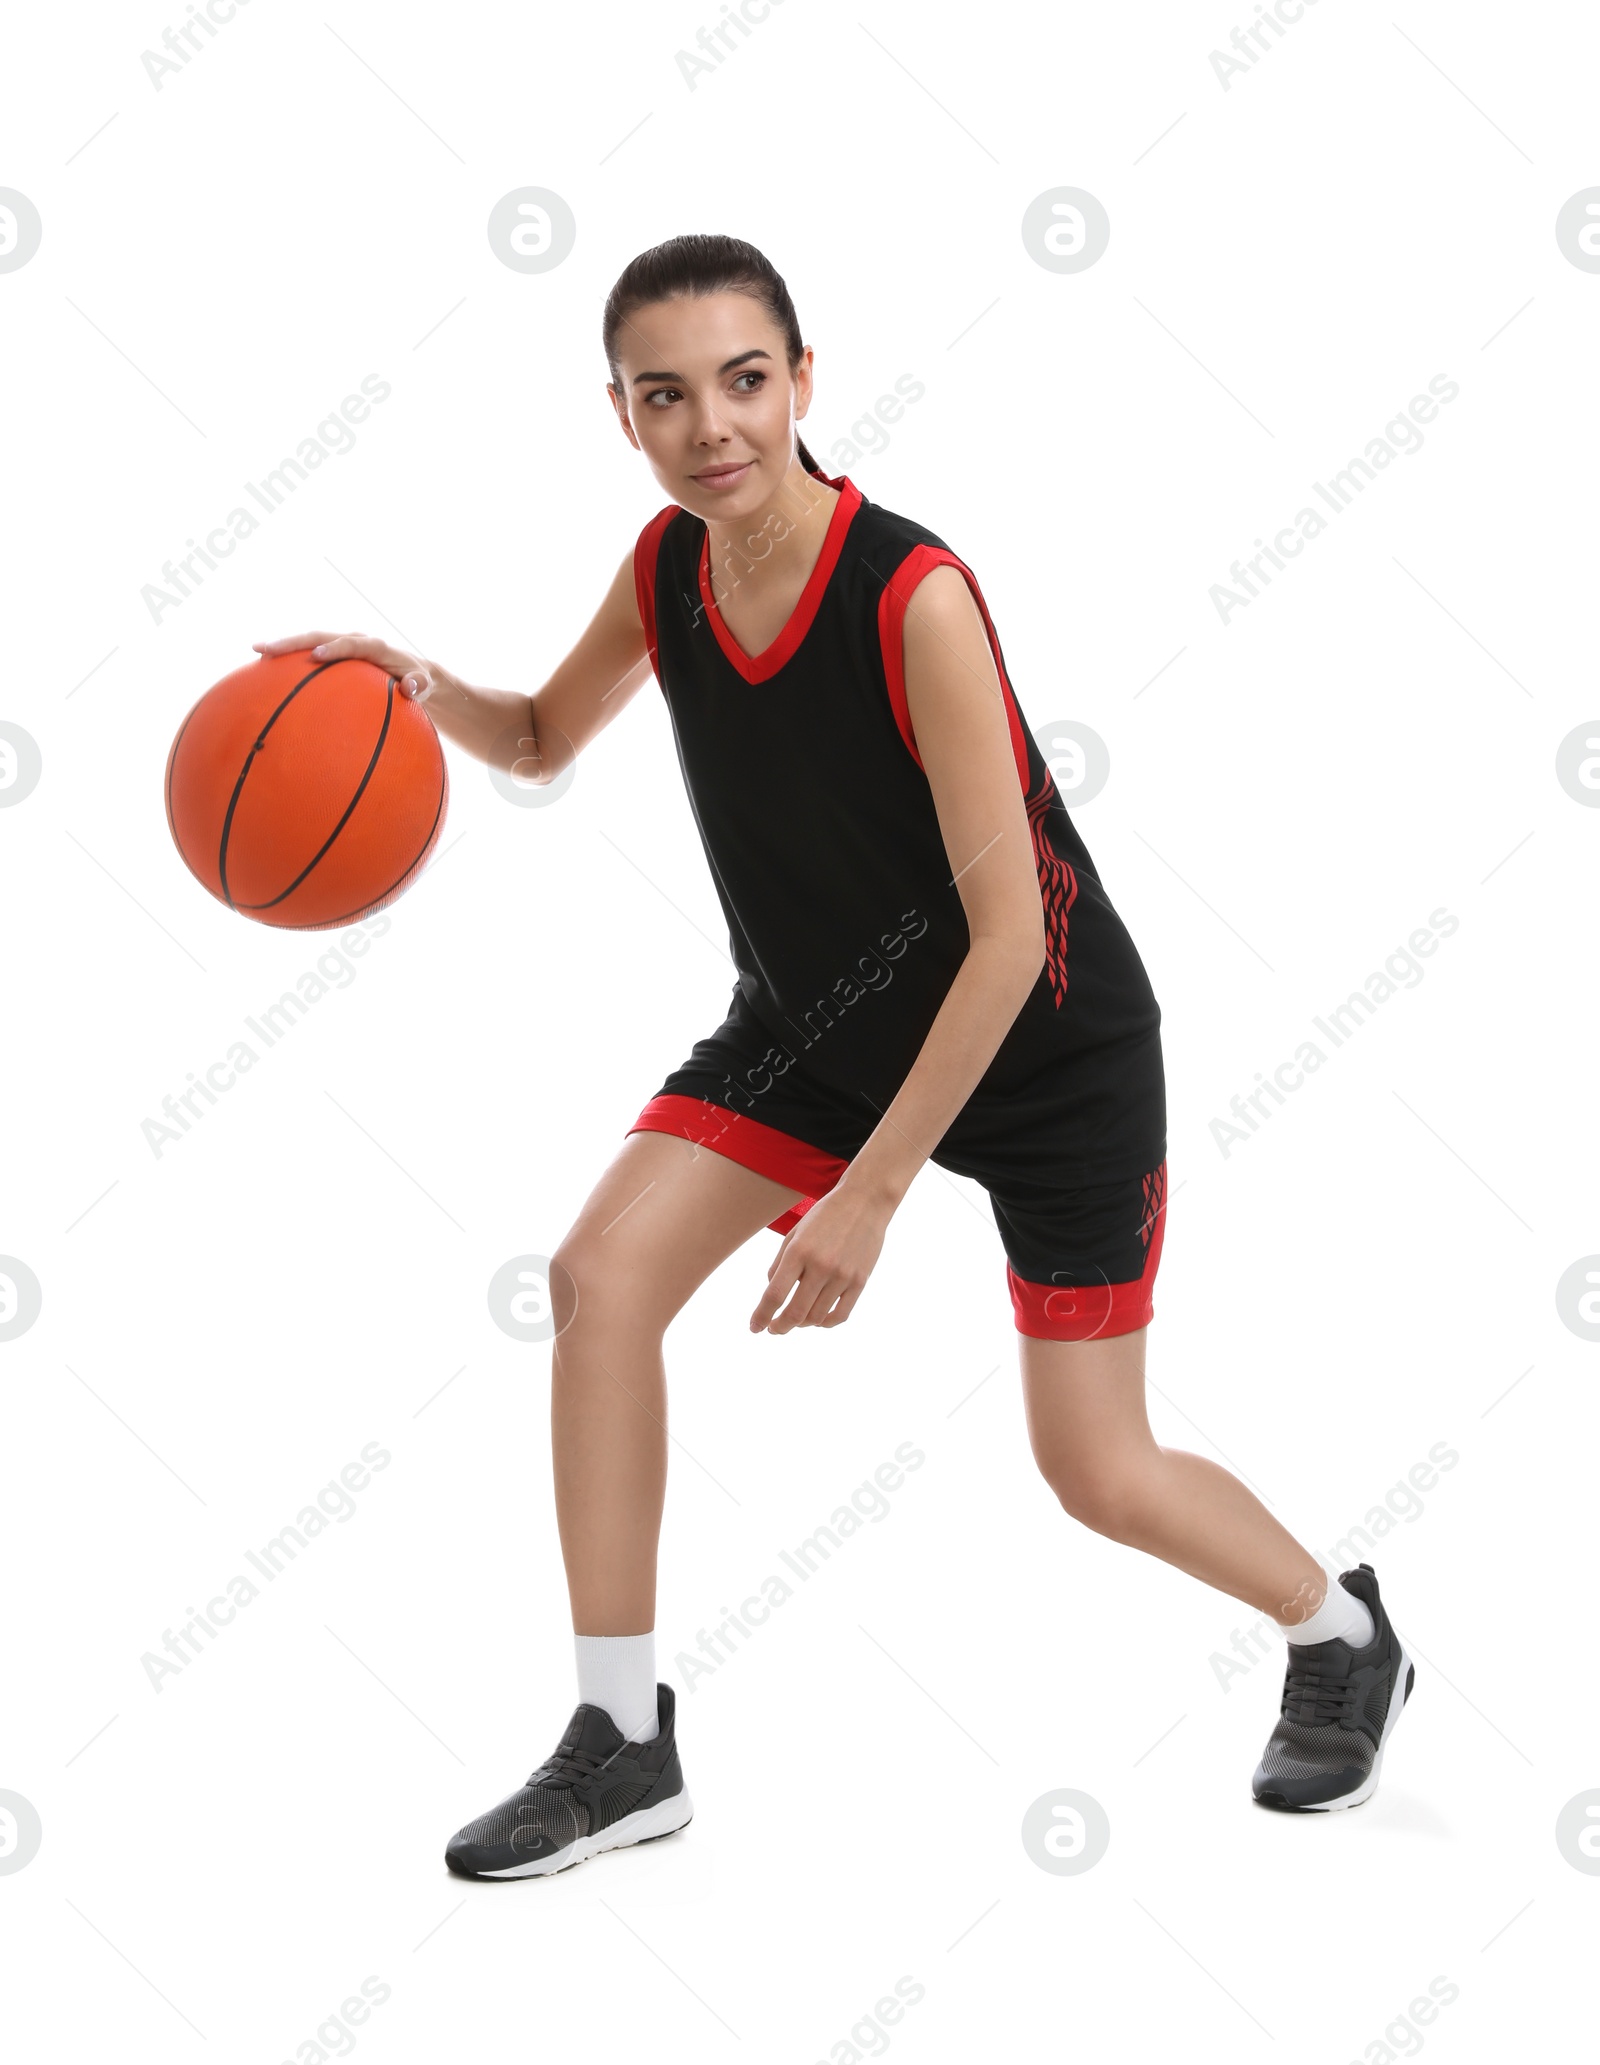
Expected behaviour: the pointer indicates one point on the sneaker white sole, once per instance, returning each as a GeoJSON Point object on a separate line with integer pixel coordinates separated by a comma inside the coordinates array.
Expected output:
{"type": "Point", "coordinates": [1369, 1784]}
{"type": "Point", "coordinates": [645, 1823]}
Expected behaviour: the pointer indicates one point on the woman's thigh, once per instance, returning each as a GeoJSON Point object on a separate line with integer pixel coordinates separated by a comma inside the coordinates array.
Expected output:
{"type": "Point", "coordinates": [1084, 1402]}
{"type": "Point", "coordinates": [661, 1218]}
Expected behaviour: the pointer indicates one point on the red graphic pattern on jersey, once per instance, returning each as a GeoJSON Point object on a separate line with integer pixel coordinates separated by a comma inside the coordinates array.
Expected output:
{"type": "Point", "coordinates": [1058, 882]}
{"type": "Point", "coordinates": [1155, 1201]}
{"type": "Point", "coordinates": [1058, 887]}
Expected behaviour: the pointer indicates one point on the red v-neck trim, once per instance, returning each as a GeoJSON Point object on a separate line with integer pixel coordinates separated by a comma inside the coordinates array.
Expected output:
{"type": "Point", "coordinates": [783, 648]}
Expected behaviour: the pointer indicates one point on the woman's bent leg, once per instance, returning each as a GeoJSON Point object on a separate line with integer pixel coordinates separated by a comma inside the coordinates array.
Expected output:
{"type": "Point", "coordinates": [658, 1222]}
{"type": "Point", "coordinates": [1093, 1443]}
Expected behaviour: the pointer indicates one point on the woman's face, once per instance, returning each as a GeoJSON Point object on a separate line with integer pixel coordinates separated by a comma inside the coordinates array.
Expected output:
{"type": "Point", "coordinates": [708, 398]}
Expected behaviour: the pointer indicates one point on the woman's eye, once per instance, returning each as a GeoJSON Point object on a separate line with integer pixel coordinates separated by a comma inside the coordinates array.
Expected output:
{"type": "Point", "coordinates": [666, 394]}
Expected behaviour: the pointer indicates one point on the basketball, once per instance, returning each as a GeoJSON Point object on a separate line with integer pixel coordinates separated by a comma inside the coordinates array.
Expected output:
{"type": "Point", "coordinates": [306, 794]}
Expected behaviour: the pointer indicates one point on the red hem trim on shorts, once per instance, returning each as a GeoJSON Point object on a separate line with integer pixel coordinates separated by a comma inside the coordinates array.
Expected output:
{"type": "Point", "coordinates": [763, 1148]}
{"type": "Point", "coordinates": [1092, 1312]}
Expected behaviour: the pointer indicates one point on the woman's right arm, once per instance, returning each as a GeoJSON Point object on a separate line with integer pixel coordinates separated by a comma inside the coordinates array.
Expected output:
{"type": "Point", "coordinates": [539, 735]}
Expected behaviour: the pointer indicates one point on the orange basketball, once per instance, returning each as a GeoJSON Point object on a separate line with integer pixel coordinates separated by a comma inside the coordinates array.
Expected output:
{"type": "Point", "coordinates": [306, 793]}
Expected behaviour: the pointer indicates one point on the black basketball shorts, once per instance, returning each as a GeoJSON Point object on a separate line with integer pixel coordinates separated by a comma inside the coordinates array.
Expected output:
{"type": "Point", "coordinates": [1081, 1248]}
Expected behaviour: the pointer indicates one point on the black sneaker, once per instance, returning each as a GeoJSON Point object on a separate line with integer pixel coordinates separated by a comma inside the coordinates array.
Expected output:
{"type": "Point", "coordinates": [1338, 1711]}
{"type": "Point", "coordinates": [594, 1792]}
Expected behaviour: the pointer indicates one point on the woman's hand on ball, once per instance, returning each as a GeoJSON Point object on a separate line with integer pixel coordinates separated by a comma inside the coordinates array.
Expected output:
{"type": "Point", "coordinates": [417, 678]}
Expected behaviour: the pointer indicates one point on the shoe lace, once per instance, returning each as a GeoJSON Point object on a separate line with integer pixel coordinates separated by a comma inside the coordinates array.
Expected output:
{"type": "Point", "coordinates": [575, 1768]}
{"type": "Point", "coordinates": [1318, 1698]}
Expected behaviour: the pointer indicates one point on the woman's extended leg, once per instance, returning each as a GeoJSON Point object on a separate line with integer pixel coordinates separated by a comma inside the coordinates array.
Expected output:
{"type": "Point", "coordinates": [1091, 1438]}
{"type": "Point", "coordinates": [659, 1221]}
{"type": "Point", "coordinates": [654, 1227]}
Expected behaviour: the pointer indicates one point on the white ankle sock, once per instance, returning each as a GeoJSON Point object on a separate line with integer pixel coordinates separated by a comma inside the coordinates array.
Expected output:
{"type": "Point", "coordinates": [618, 1672]}
{"type": "Point", "coordinates": [1341, 1614]}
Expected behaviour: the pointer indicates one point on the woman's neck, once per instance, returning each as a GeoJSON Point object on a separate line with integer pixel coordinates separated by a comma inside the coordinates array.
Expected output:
{"type": "Point", "coordinates": [795, 518]}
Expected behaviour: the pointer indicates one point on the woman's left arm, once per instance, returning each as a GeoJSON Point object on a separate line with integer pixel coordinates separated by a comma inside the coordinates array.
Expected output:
{"type": "Point", "coordinates": [959, 721]}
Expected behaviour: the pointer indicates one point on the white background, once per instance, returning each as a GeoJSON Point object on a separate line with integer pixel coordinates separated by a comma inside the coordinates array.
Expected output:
{"type": "Point", "coordinates": [1371, 1274]}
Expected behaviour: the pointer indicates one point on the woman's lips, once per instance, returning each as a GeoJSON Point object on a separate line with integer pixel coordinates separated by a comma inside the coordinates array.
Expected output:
{"type": "Point", "coordinates": [725, 477]}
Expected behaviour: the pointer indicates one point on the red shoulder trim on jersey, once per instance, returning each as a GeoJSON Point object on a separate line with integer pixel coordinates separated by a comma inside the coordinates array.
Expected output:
{"type": "Point", "coordinates": [784, 646]}
{"type": "Point", "coordinates": [918, 563]}
{"type": "Point", "coordinates": [646, 550]}
{"type": "Point", "coordinates": [1058, 882]}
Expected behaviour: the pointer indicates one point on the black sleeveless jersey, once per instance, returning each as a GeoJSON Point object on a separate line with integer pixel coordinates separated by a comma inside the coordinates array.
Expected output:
{"type": "Point", "coordinates": [819, 825]}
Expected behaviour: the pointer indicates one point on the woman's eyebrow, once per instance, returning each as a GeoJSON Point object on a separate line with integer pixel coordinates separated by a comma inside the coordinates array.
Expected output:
{"type": "Point", "coordinates": [727, 366]}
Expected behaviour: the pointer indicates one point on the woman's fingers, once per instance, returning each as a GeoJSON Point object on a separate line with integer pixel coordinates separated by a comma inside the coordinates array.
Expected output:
{"type": "Point", "coordinates": [816, 1307]}
{"type": "Point", "coordinates": [841, 1311]}
{"type": "Point", "coordinates": [416, 680]}
{"type": "Point", "coordinates": [273, 646]}
{"type": "Point", "coordinates": [813, 1293]}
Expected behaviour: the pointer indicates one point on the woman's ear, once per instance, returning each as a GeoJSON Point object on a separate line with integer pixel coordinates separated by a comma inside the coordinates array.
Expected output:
{"type": "Point", "coordinates": [802, 383]}
{"type": "Point", "coordinates": [622, 416]}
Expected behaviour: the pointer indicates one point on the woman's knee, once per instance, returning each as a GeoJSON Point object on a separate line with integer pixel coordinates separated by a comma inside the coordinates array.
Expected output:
{"type": "Point", "coordinates": [594, 1286]}
{"type": "Point", "coordinates": [1114, 1498]}
{"type": "Point", "coordinates": [659, 1221]}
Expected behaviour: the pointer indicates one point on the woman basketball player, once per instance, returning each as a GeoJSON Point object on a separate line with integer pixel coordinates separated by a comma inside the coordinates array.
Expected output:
{"type": "Point", "coordinates": [929, 968]}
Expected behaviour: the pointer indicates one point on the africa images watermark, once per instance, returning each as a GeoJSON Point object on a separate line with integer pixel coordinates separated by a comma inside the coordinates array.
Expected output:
{"type": "Point", "coordinates": [1399, 971]}
{"type": "Point", "coordinates": [868, 437]}
{"type": "Point", "coordinates": [1252, 44]}
{"type": "Point", "coordinates": [1403, 2037]}
{"type": "Point", "coordinates": [717, 44]}
{"type": "Point", "coordinates": [332, 969]}
{"type": "Point", "coordinates": [869, 1501]}
{"type": "Point", "coordinates": [183, 44]}
{"type": "Point", "coordinates": [269, 1561]}
{"type": "Point", "coordinates": [1402, 1501]}
{"type": "Point", "coordinates": [1399, 434]}
{"type": "Point", "coordinates": [332, 436]}
{"type": "Point", "coordinates": [868, 2037]}
{"type": "Point", "coordinates": [335, 2037]}
{"type": "Point", "coordinates": [870, 973]}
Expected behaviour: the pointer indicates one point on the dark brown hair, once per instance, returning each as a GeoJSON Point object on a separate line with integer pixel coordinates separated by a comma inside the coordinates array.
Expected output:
{"type": "Point", "coordinates": [703, 265]}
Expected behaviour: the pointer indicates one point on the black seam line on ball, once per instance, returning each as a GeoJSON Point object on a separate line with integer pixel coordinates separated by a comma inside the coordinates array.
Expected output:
{"type": "Point", "coordinates": [227, 822]}
{"type": "Point", "coordinates": [383, 895]}
{"type": "Point", "coordinates": [361, 787]}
